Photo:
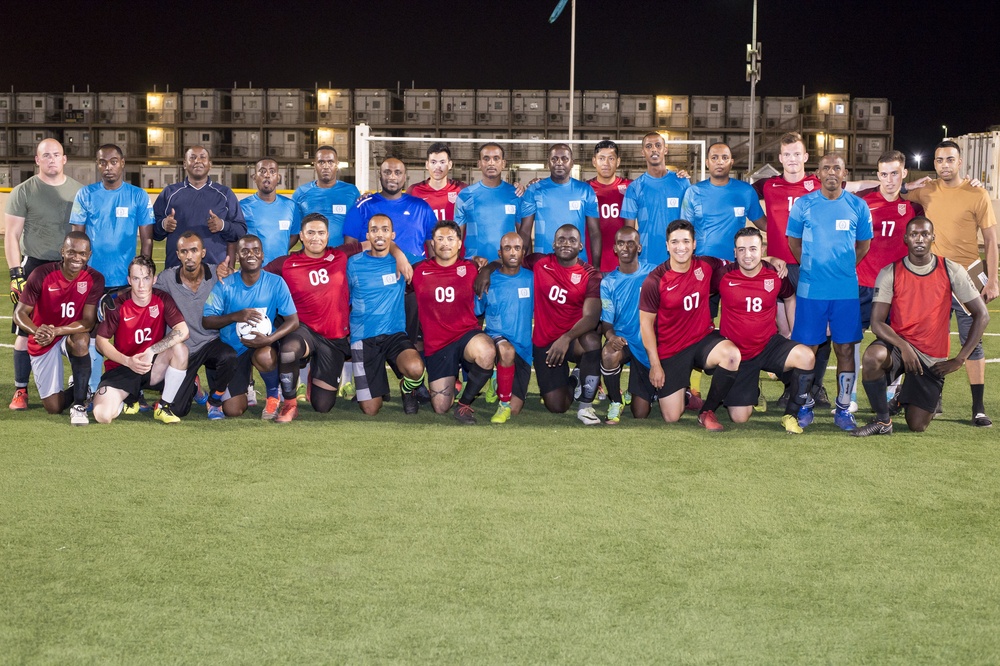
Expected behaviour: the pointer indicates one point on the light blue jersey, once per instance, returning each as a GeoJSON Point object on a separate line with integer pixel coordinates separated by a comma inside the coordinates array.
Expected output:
{"type": "Point", "coordinates": [333, 202]}
{"type": "Point", "coordinates": [508, 306]}
{"type": "Point", "coordinates": [486, 214]}
{"type": "Point", "coordinates": [272, 222]}
{"type": "Point", "coordinates": [717, 213]}
{"type": "Point", "coordinates": [269, 294]}
{"type": "Point", "coordinates": [654, 203]}
{"type": "Point", "coordinates": [111, 218]}
{"type": "Point", "coordinates": [829, 229]}
{"type": "Point", "coordinates": [554, 205]}
{"type": "Point", "coordinates": [620, 307]}
{"type": "Point", "coordinates": [412, 220]}
{"type": "Point", "coordinates": [376, 296]}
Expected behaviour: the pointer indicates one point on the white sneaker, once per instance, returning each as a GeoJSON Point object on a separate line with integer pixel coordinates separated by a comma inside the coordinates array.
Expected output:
{"type": "Point", "coordinates": [588, 416]}
{"type": "Point", "coordinates": [251, 395]}
{"type": "Point", "coordinates": [78, 415]}
{"type": "Point", "coordinates": [575, 373]}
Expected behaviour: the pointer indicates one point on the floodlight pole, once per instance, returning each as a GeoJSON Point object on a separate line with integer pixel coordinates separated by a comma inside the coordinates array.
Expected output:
{"type": "Point", "coordinates": [572, 67]}
{"type": "Point", "coordinates": [753, 76]}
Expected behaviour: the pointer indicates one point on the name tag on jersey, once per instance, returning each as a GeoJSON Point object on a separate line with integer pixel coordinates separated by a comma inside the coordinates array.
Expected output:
{"type": "Point", "coordinates": [575, 205]}
{"type": "Point", "coordinates": [121, 211]}
{"type": "Point", "coordinates": [284, 225]}
{"type": "Point", "coordinates": [510, 209]}
{"type": "Point", "coordinates": [523, 292]}
{"type": "Point", "coordinates": [339, 209]}
{"type": "Point", "coordinates": [843, 225]}
{"type": "Point", "coordinates": [389, 279]}
{"type": "Point", "coordinates": [738, 211]}
{"type": "Point", "coordinates": [673, 202]}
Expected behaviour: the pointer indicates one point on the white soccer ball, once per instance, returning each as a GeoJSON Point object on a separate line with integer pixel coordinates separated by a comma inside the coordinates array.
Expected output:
{"type": "Point", "coordinates": [246, 329]}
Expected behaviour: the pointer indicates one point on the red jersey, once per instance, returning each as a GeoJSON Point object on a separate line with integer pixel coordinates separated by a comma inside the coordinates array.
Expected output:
{"type": "Point", "coordinates": [133, 328]}
{"type": "Point", "coordinates": [921, 308]}
{"type": "Point", "coordinates": [559, 295]}
{"type": "Point", "coordinates": [749, 306]}
{"type": "Point", "coordinates": [319, 288]}
{"type": "Point", "coordinates": [680, 303]}
{"type": "Point", "coordinates": [59, 301]}
{"type": "Point", "coordinates": [446, 301]}
{"type": "Point", "coordinates": [779, 195]}
{"type": "Point", "coordinates": [889, 220]}
{"type": "Point", "coordinates": [609, 203]}
{"type": "Point", "coordinates": [442, 201]}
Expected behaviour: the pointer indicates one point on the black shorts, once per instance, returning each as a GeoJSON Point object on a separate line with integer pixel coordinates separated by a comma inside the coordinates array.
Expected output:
{"type": "Point", "coordinates": [552, 379]}
{"type": "Point", "coordinates": [446, 361]}
{"type": "Point", "coordinates": [865, 295]}
{"type": "Point", "coordinates": [921, 391]}
{"type": "Point", "coordinates": [241, 377]}
{"type": "Point", "coordinates": [677, 369]}
{"type": "Point", "coordinates": [30, 264]}
{"type": "Point", "coordinates": [746, 388]}
{"type": "Point", "coordinates": [123, 378]}
{"type": "Point", "coordinates": [368, 358]}
{"type": "Point", "coordinates": [215, 356]}
{"type": "Point", "coordinates": [326, 355]}
{"type": "Point", "coordinates": [638, 381]}
{"type": "Point", "coordinates": [412, 320]}
{"type": "Point", "coordinates": [793, 275]}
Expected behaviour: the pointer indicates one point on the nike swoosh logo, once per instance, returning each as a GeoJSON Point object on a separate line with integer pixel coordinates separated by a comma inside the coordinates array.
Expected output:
{"type": "Point", "coordinates": [54, 289]}
{"type": "Point", "coordinates": [425, 273]}
{"type": "Point", "coordinates": [734, 284]}
{"type": "Point", "coordinates": [129, 318]}
{"type": "Point", "coordinates": [673, 287]}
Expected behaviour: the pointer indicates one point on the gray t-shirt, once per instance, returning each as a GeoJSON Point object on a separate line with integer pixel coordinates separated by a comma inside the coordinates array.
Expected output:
{"type": "Point", "coordinates": [190, 303]}
{"type": "Point", "coordinates": [45, 209]}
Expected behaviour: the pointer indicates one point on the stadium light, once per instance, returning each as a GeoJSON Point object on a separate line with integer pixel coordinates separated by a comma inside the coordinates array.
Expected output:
{"type": "Point", "coordinates": [918, 157]}
{"type": "Point", "coordinates": [945, 128]}
{"type": "Point", "coordinates": [572, 55]}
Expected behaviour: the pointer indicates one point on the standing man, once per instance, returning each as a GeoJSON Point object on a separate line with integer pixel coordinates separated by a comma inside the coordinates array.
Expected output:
{"type": "Point", "coordinates": [828, 234]}
{"type": "Point", "coordinates": [610, 189]}
{"type": "Point", "coordinates": [439, 191]}
{"type": "Point", "coordinates": [653, 200]}
{"type": "Point", "coordinates": [270, 216]}
{"type": "Point", "coordinates": [453, 339]}
{"type": "Point", "coordinates": [960, 212]}
{"type": "Point", "coordinates": [558, 200]}
{"type": "Point", "coordinates": [59, 307]}
{"type": "Point", "coordinates": [37, 220]}
{"type": "Point", "coordinates": [326, 195]}
{"type": "Point", "coordinates": [201, 205]}
{"type": "Point", "coordinates": [489, 209]}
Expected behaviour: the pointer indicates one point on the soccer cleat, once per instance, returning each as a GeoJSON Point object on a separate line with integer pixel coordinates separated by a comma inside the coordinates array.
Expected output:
{"type": "Point", "coordinates": [423, 395]}
{"type": "Point", "coordinates": [614, 413]}
{"type": "Point", "coordinates": [163, 414]}
{"type": "Point", "coordinates": [805, 416]}
{"type": "Point", "coordinates": [300, 393]}
{"type": "Point", "coordinates": [875, 427]}
{"type": "Point", "coordinates": [131, 408]}
{"type": "Point", "coordinates": [270, 409]}
{"type": "Point", "coordinates": [980, 420]}
{"type": "Point", "coordinates": [761, 405]}
{"type": "Point", "coordinates": [458, 388]}
{"type": "Point", "coordinates": [411, 401]}
{"type": "Point", "coordinates": [844, 420]}
{"type": "Point", "coordinates": [490, 391]}
{"type": "Point", "coordinates": [215, 413]}
{"type": "Point", "coordinates": [78, 415]}
{"type": "Point", "coordinates": [821, 397]}
{"type": "Point", "coordinates": [289, 410]}
{"type": "Point", "coordinates": [20, 399]}
{"type": "Point", "coordinates": [348, 391]}
{"type": "Point", "coordinates": [894, 406]}
{"type": "Point", "coordinates": [464, 414]}
{"type": "Point", "coordinates": [693, 401]}
{"type": "Point", "coordinates": [574, 376]}
{"type": "Point", "coordinates": [782, 401]}
{"type": "Point", "coordinates": [199, 395]}
{"type": "Point", "coordinates": [791, 425]}
{"type": "Point", "coordinates": [502, 415]}
{"type": "Point", "coordinates": [626, 398]}
{"type": "Point", "coordinates": [588, 416]}
{"type": "Point", "coordinates": [708, 420]}
{"type": "Point", "coordinates": [251, 395]}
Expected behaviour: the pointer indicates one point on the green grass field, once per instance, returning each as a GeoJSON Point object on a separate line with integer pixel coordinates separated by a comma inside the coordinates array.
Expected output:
{"type": "Point", "coordinates": [340, 538]}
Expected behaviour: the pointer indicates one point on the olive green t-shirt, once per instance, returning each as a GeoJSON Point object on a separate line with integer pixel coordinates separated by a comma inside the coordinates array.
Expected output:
{"type": "Point", "coordinates": [45, 209]}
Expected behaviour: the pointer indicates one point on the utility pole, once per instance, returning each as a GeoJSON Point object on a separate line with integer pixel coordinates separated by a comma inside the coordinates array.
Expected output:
{"type": "Point", "coordinates": [753, 76]}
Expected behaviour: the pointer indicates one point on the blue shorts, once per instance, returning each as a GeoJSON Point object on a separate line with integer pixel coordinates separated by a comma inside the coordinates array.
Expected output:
{"type": "Point", "coordinates": [813, 315]}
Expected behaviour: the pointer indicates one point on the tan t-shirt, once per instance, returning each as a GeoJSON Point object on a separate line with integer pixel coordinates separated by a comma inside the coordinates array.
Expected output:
{"type": "Point", "coordinates": [957, 213]}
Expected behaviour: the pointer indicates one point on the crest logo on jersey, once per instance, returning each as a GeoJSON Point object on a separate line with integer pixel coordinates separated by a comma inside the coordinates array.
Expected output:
{"type": "Point", "coordinates": [769, 285]}
{"type": "Point", "coordinates": [622, 188]}
{"type": "Point", "coordinates": [699, 274]}
{"type": "Point", "coordinates": [154, 311]}
{"type": "Point", "coordinates": [901, 208]}
{"type": "Point", "coordinates": [329, 257]}
{"type": "Point", "coordinates": [452, 197]}
{"type": "Point", "coordinates": [81, 287]}
{"type": "Point", "coordinates": [809, 185]}
{"type": "Point", "coordinates": [461, 271]}
{"type": "Point", "coordinates": [575, 278]}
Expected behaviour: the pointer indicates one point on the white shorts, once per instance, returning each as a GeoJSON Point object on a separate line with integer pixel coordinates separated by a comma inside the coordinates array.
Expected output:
{"type": "Point", "coordinates": [48, 369]}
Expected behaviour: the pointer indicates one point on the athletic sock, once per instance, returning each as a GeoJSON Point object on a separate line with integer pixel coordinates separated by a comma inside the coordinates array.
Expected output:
{"type": "Point", "coordinates": [722, 381]}
{"type": "Point", "coordinates": [978, 406]}
{"type": "Point", "coordinates": [694, 382]}
{"type": "Point", "coordinates": [347, 375]}
{"type": "Point", "coordinates": [475, 380]}
{"type": "Point", "coordinates": [96, 362]}
{"type": "Point", "coordinates": [172, 380]}
{"type": "Point", "coordinates": [857, 364]}
{"type": "Point", "coordinates": [589, 365]}
{"type": "Point", "coordinates": [215, 397]}
{"type": "Point", "coordinates": [845, 384]}
{"type": "Point", "coordinates": [270, 382]}
{"type": "Point", "coordinates": [410, 385]}
{"type": "Point", "coordinates": [875, 390]}
{"type": "Point", "coordinates": [80, 366]}
{"type": "Point", "coordinates": [822, 359]}
{"type": "Point", "coordinates": [22, 368]}
{"type": "Point", "coordinates": [612, 383]}
{"type": "Point", "coordinates": [801, 384]}
{"type": "Point", "coordinates": [505, 382]}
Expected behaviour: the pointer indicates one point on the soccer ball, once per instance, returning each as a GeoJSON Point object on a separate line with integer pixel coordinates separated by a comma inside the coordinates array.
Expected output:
{"type": "Point", "coordinates": [246, 329]}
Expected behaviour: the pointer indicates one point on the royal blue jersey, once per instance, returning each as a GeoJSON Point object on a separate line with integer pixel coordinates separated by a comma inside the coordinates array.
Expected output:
{"type": "Point", "coordinates": [620, 307]}
{"type": "Point", "coordinates": [654, 203]}
{"type": "Point", "coordinates": [333, 202]}
{"type": "Point", "coordinates": [717, 213]}
{"type": "Point", "coordinates": [273, 222]}
{"type": "Point", "coordinates": [269, 294]}
{"type": "Point", "coordinates": [487, 213]}
{"type": "Point", "coordinates": [111, 218]}
{"type": "Point", "coordinates": [554, 205]}
{"type": "Point", "coordinates": [508, 306]}
{"type": "Point", "coordinates": [376, 296]}
{"type": "Point", "coordinates": [828, 229]}
{"type": "Point", "coordinates": [412, 220]}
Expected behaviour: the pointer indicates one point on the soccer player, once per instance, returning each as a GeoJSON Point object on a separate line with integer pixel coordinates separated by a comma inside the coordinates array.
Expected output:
{"type": "Point", "coordinates": [610, 189]}
{"type": "Point", "coordinates": [249, 296]}
{"type": "Point", "coordinates": [317, 280]}
{"type": "Point", "coordinates": [508, 307]}
{"type": "Point", "coordinates": [140, 350]}
{"type": "Point", "coordinates": [749, 291]}
{"type": "Point", "coordinates": [620, 324]}
{"type": "Point", "coordinates": [114, 212]}
{"type": "Point", "coordinates": [489, 209]}
{"type": "Point", "coordinates": [270, 216]}
{"type": "Point", "coordinates": [326, 195]}
{"type": "Point", "coordinates": [453, 339]}
{"type": "Point", "coordinates": [378, 323]}
{"type": "Point", "coordinates": [678, 332]}
{"type": "Point", "coordinates": [653, 200]}
{"type": "Point", "coordinates": [58, 308]}
{"type": "Point", "coordinates": [37, 219]}
{"type": "Point", "coordinates": [558, 200]}
{"type": "Point", "coordinates": [720, 206]}
{"type": "Point", "coordinates": [916, 294]}
{"type": "Point", "coordinates": [439, 191]}
{"type": "Point", "coordinates": [829, 232]}
{"type": "Point", "coordinates": [202, 205]}
{"type": "Point", "coordinates": [190, 285]}
{"type": "Point", "coordinates": [960, 212]}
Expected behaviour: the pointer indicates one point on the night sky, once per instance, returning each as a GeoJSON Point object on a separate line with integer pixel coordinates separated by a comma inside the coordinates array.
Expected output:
{"type": "Point", "coordinates": [938, 66]}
